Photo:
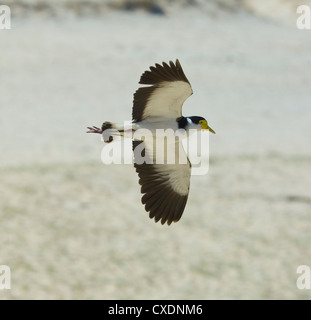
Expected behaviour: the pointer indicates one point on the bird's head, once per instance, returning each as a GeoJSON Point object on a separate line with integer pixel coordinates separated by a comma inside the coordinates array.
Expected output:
{"type": "Point", "coordinates": [201, 123]}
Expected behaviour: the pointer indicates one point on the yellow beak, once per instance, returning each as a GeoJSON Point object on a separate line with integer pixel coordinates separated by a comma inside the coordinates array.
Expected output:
{"type": "Point", "coordinates": [210, 129]}
{"type": "Point", "coordinates": [205, 126]}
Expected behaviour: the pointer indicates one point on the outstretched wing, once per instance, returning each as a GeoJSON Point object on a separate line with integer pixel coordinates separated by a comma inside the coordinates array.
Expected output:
{"type": "Point", "coordinates": [165, 186]}
{"type": "Point", "coordinates": [164, 98]}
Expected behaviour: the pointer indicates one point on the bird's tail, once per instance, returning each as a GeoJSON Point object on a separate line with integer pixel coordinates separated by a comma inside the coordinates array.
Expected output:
{"type": "Point", "coordinates": [111, 130]}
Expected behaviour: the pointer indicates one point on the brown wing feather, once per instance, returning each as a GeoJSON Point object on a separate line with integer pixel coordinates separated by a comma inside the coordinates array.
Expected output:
{"type": "Point", "coordinates": [158, 74]}
{"type": "Point", "coordinates": [160, 199]}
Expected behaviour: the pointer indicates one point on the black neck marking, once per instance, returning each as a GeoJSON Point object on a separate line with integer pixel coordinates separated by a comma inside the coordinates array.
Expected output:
{"type": "Point", "coordinates": [182, 122]}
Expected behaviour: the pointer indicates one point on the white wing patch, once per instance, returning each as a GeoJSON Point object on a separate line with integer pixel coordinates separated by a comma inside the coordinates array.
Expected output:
{"type": "Point", "coordinates": [167, 99]}
{"type": "Point", "coordinates": [178, 171]}
{"type": "Point", "coordinates": [179, 176]}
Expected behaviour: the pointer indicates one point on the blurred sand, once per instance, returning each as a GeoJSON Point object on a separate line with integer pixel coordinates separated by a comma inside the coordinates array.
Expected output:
{"type": "Point", "coordinates": [72, 228]}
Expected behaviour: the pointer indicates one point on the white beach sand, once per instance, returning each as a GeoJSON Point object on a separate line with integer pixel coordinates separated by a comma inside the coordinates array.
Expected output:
{"type": "Point", "coordinates": [72, 228]}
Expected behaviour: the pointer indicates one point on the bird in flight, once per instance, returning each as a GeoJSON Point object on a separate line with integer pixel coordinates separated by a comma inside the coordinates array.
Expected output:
{"type": "Point", "coordinates": [165, 185]}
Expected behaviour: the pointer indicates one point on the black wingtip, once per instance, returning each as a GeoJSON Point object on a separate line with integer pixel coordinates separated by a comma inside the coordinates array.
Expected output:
{"type": "Point", "coordinates": [163, 72]}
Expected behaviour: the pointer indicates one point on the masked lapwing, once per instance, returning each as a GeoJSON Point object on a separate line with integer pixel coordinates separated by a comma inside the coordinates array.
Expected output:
{"type": "Point", "coordinates": [165, 185]}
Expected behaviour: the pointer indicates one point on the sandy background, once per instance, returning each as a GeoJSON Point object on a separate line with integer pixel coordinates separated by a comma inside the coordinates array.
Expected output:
{"type": "Point", "coordinates": [72, 228]}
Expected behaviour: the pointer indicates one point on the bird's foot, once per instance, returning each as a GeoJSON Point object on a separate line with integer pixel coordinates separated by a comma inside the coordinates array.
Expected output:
{"type": "Point", "coordinates": [94, 130]}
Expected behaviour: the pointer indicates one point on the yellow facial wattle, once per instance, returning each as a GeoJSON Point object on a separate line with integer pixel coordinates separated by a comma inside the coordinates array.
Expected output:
{"type": "Point", "coordinates": [205, 126]}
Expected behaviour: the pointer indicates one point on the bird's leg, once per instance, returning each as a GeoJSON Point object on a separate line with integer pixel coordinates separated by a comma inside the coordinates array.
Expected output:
{"type": "Point", "coordinates": [94, 130]}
